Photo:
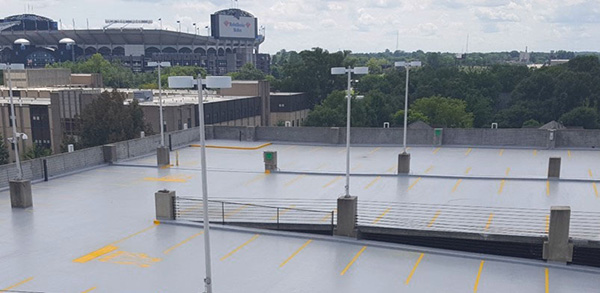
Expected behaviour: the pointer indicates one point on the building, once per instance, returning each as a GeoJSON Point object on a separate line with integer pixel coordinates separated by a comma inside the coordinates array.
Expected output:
{"type": "Point", "coordinates": [234, 41]}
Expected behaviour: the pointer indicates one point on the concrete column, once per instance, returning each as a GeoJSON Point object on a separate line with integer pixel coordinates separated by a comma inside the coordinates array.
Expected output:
{"type": "Point", "coordinates": [346, 216]}
{"type": "Point", "coordinates": [554, 168]}
{"type": "Point", "coordinates": [163, 157]}
{"type": "Point", "coordinates": [334, 137]}
{"type": "Point", "coordinates": [165, 204]}
{"type": "Point", "coordinates": [558, 248]}
{"type": "Point", "coordinates": [270, 159]}
{"type": "Point", "coordinates": [438, 136]}
{"type": "Point", "coordinates": [20, 194]}
{"type": "Point", "coordinates": [404, 163]}
{"type": "Point", "coordinates": [110, 153]}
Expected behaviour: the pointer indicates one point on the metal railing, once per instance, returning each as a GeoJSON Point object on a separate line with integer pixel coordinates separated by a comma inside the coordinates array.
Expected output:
{"type": "Point", "coordinates": [278, 217]}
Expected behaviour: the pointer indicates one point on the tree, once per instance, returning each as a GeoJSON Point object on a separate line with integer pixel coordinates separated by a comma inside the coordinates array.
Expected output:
{"type": "Point", "coordinates": [3, 152]}
{"type": "Point", "coordinates": [581, 116]}
{"type": "Point", "coordinates": [36, 151]}
{"type": "Point", "coordinates": [107, 120]}
{"type": "Point", "coordinates": [248, 72]}
{"type": "Point", "coordinates": [444, 112]}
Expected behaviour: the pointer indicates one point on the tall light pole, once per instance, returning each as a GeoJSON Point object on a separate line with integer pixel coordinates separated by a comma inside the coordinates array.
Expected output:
{"type": "Point", "coordinates": [159, 65]}
{"type": "Point", "coordinates": [195, 29]}
{"type": "Point", "coordinates": [211, 82]}
{"type": "Point", "coordinates": [14, 140]}
{"type": "Point", "coordinates": [179, 23]}
{"type": "Point", "coordinates": [349, 71]}
{"type": "Point", "coordinates": [404, 158]}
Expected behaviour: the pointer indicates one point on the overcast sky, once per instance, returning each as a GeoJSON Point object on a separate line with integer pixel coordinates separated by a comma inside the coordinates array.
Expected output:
{"type": "Point", "coordinates": [362, 25]}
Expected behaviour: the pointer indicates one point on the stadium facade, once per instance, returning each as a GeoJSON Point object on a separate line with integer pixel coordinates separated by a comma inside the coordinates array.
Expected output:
{"type": "Point", "coordinates": [234, 41]}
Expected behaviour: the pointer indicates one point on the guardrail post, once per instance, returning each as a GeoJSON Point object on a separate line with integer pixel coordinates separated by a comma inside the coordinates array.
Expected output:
{"type": "Point", "coordinates": [277, 218]}
{"type": "Point", "coordinates": [332, 227]}
{"type": "Point", "coordinates": [165, 204]}
{"type": "Point", "coordinates": [558, 248]}
{"type": "Point", "coordinates": [45, 164]}
{"type": "Point", "coordinates": [163, 158]}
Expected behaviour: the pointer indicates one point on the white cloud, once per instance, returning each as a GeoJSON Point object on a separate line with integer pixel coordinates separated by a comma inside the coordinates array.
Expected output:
{"type": "Point", "coordinates": [496, 15]}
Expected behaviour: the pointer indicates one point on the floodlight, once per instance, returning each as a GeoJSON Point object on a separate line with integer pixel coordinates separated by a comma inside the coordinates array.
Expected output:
{"type": "Point", "coordinates": [338, 70]}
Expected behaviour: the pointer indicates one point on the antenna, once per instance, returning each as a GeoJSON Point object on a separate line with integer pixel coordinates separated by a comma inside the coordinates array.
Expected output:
{"type": "Point", "coordinates": [397, 39]}
{"type": "Point", "coordinates": [467, 50]}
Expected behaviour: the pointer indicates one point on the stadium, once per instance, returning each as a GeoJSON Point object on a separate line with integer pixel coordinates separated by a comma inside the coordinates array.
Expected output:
{"type": "Point", "coordinates": [234, 40]}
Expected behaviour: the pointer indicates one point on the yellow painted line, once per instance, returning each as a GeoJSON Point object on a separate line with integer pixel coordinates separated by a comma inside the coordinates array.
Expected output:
{"type": "Point", "coordinates": [290, 148]}
{"type": "Point", "coordinates": [316, 149]}
{"type": "Point", "coordinates": [501, 152]}
{"type": "Point", "coordinates": [373, 182]}
{"type": "Point", "coordinates": [507, 171]}
{"type": "Point", "coordinates": [233, 147]}
{"type": "Point", "coordinates": [468, 170]}
{"type": "Point", "coordinates": [535, 152]}
{"type": "Point", "coordinates": [595, 189]}
{"type": "Point", "coordinates": [166, 166]}
{"type": "Point", "coordinates": [17, 284]}
{"type": "Point", "coordinates": [436, 150]}
{"type": "Point", "coordinates": [163, 179]}
{"type": "Point", "coordinates": [489, 221]}
{"type": "Point", "coordinates": [89, 290]}
{"type": "Point", "coordinates": [294, 180]}
{"type": "Point", "coordinates": [456, 185]}
{"type": "Point", "coordinates": [182, 242]}
{"type": "Point", "coordinates": [321, 166]}
{"type": "Point", "coordinates": [437, 214]}
{"type": "Point", "coordinates": [256, 178]}
{"type": "Point", "coordinates": [283, 212]}
{"type": "Point", "coordinates": [381, 216]}
{"type": "Point", "coordinates": [332, 181]}
{"type": "Point", "coordinates": [374, 151]}
{"type": "Point", "coordinates": [429, 169]}
{"type": "Point", "coordinates": [468, 151]}
{"type": "Point", "coordinates": [134, 234]}
{"type": "Point", "coordinates": [478, 276]}
{"type": "Point", "coordinates": [501, 186]}
{"type": "Point", "coordinates": [392, 168]}
{"type": "Point", "coordinates": [240, 247]}
{"type": "Point", "coordinates": [353, 260]}
{"type": "Point", "coordinates": [328, 216]}
{"type": "Point", "coordinates": [547, 281]}
{"type": "Point", "coordinates": [408, 149]}
{"type": "Point", "coordinates": [547, 223]}
{"type": "Point", "coordinates": [414, 183]}
{"type": "Point", "coordinates": [295, 253]}
{"type": "Point", "coordinates": [590, 172]}
{"type": "Point", "coordinates": [358, 166]}
{"type": "Point", "coordinates": [547, 188]}
{"type": "Point", "coordinates": [342, 151]}
{"type": "Point", "coordinates": [236, 211]}
{"type": "Point", "coordinates": [412, 272]}
{"type": "Point", "coordinates": [95, 254]}
{"type": "Point", "coordinates": [569, 153]}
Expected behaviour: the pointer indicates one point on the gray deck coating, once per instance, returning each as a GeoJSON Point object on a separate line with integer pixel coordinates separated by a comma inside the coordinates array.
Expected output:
{"type": "Point", "coordinates": [78, 214]}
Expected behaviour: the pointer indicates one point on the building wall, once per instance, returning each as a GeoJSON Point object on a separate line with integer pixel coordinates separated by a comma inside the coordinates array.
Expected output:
{"type": "Point", "coordinates": [296, 118]}
{"type": "Point", "coordinates": [175, 117]}
{"type": "Point", "coordinates": [23, 126]}
{"type": "Point", "coordinates": [38, 77]}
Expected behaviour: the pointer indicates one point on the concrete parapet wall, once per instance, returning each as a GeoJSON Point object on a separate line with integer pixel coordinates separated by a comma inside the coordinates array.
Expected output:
{"type": "Point", "coordinates": [577, 138]}
{"type": "Point", "coordinates": [496, 137]}
{"type": "Point", "coordinates": [387, 136]}
{"type": "Point", "coordinates": [329, 135]}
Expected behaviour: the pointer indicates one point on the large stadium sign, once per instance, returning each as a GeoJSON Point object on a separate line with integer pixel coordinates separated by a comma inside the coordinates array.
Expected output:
{"type": "Point", "coordinates": [230, 26]}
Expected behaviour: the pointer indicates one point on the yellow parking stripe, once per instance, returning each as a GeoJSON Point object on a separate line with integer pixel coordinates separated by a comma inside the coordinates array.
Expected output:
{"type": "Point", "coordinates": [182, 242]}
{"type": "Point", "coordinates": [436, 150]}
{"type": "Point", "coordinates": [547, 223]}
{"type": "Point", "coordinates": [547, 281]}
{"type": "Point", "coordinates": [456, 185]}
{"type": "Point", "coordinates": [358, 166]}
{"type": "Point", "coordinates": [414, 183]}
{"type": "Point", "coordinates": [429, 169]}
{"type": "Point", "coordinates": [468, 151]}
{"type": "Point", "coordinates": [283, 212]}
{"type": "Point", "coordinates": [478, 276]}
{"type": "Point", "coordinates": [294, 180]}
{"type": "Point", "coordinates": [507, 171]}
{"type": "Point", "coordinates": [392, 168]}
{"type": "Point", "coordinates": [501, 152]}
{"type": "Point", "coordinates": [381, 216]}
{"type": "Point", "coordinates": [412, 272]}
{"type": "Point", "coordinates": [89, 290]}
{"type": "Point", "coordinates": [489, 221]}
{"type": "Point", "coordinates": [468, 170]}
{"type": "Point", "coordinates": [547, 188]}
{"type": "Point", "coordinates": [17, 284]}
{"type": "Point", "coordinates": [353, 260]}
{"type": "Point", "coordinates": [535, 152]}
{"type": "Point", "coordinates": [256, 178]}
{"type": "Point", "coordinates": [569, 153]}
{"type": "Point", "coordinates": [240, 247]}
{"type": "Point", "coordinates": [236, 211]}
{"type": "Point", "coordinates": [373, 182]}
{"type": "Point", "coordinates": [595, 189]}
{"type": "Point", "coordinates": [95, 254]}
{"type": "Point", "coordinates": [590, 172]}
{"type": "Point", "coordinates": [501, 186]}
{"type": "Point", "coordinates": [437, 214]}
{"type": "Point", "coordinates": [295, 253]}
{"type": "Point", "coordinates": [374, 151]}
{"type": "Point", "coordinates": [332, 181]}
{"type": "Point", "coordinates": [135, 234]}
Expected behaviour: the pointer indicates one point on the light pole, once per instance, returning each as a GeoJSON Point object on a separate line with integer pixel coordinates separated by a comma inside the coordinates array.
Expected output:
{"type": "Point", "coordinates": [179, 23]}
{"type": "Point", "coordinates": [349, 71]}
{"type": "Point", "coordinates": [195, 29]}
{"type": "Point", "coordinates": [404, 158]}
{"type": "Point", "coordinates": [211, 82]}
{"type": "Point", "coordinates": [14, 140]}
{"type": "Point", "coordinates": [159, 65]}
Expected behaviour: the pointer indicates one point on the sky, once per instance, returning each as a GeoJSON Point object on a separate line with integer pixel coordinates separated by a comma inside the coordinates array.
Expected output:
{"type": "Point", "coordinates": [361, 25]}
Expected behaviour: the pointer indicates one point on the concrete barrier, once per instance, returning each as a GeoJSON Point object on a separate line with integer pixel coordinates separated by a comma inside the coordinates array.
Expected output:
{"type": "Point", "coordinates": [577, 138]}
{"type": "Point", "coordinates": [558, 248]}
{"type": "Point", "coordinates": [538, 138]}
{"type": "Point", "coordinates": [325, 135]}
